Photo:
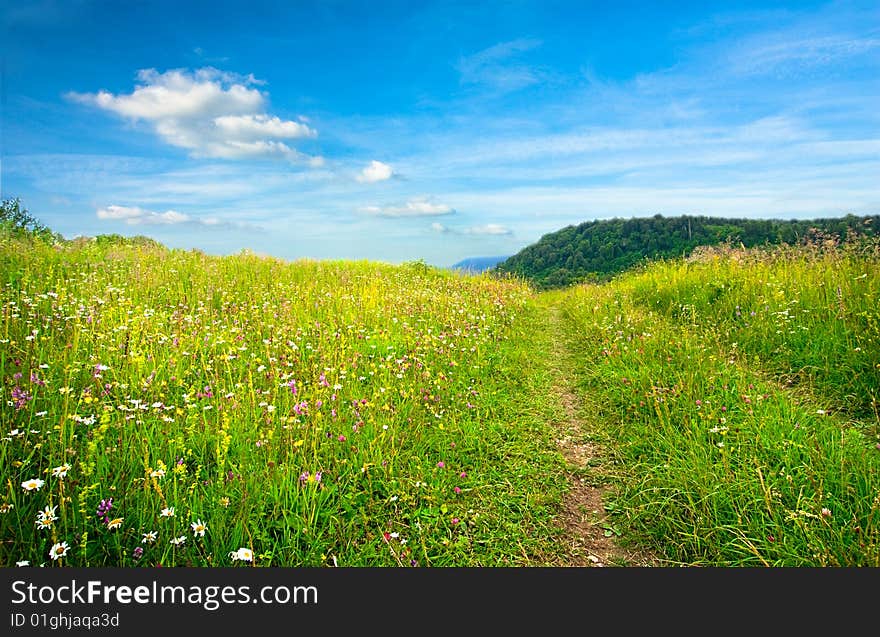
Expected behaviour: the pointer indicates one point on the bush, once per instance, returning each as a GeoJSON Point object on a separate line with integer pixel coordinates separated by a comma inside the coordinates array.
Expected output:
{"type": "Point", "coordinates": [15, 220]}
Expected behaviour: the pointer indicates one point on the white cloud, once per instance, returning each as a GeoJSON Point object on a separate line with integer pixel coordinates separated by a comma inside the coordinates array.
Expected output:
{"type": "Point", "coordinates": [376, 171]}
{"type": "Point", "coordinates": [788, 53]}
{"type": "Point", "coordinates": [135, 216]}
{"type": "Point", "coordinates": [488, 229]}
{"type": "Point", "coordinates": [247, 127]}
{"type": "Point", "coordinates": [492, 67]}
{"type": "Point", "coordinates": [209, 112]}
{"type": "Point", "coordinates": [412, 208]}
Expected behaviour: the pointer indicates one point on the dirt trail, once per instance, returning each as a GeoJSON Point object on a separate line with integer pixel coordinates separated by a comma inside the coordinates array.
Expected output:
{"type": "Point", "coordinates": [588, 533]}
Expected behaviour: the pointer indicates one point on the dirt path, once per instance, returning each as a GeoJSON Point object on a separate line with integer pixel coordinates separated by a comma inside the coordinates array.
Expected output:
{"type": "Point", "coordinates": [590, 537]}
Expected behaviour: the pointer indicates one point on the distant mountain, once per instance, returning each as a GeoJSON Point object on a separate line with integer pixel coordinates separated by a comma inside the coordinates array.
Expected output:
{"type": "Point", "coordinates": [478, 264]}
{"type": "Point", "coordinates": [596, 250]}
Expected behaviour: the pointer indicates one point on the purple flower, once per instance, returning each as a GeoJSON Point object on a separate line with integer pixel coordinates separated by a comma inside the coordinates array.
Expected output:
{"type": "Point", "coordinates": [20, 397]}
{"type": "Point", "coordinates": [104, 508]}
{"type": "Point", "coordinates": [441, 464]}
{"type": "Point", "coordinates": [137, 553]}
{"type": "Point", "coordinates": [292, 385]}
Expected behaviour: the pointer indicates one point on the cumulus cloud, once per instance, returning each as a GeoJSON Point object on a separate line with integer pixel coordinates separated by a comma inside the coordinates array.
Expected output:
{"type": "Point", "coordinates": [209, 112]}
{"type": "Point", "coordinates": [412, 208]}
{"type": "Point", "coordinates": [375, 171]}
{"type": "Point", "coordinates": [135, 216]}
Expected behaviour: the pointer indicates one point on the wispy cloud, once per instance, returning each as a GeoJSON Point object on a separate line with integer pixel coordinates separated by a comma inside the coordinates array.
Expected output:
{"type": "Point", "coordinates": [209, 112]}
{"type": "Point", "coordinates": [496, 67]}
{"type": "Point", "coordinates": [789, 54]}
{"type": "Point", "coordinates": [490, 229]}
{"type": "Point", "coordinates": [375, 171]}
{"type": "Point", "coordinates": [412, 208]}
{"type": "Point", "coordinates": [136, 216]}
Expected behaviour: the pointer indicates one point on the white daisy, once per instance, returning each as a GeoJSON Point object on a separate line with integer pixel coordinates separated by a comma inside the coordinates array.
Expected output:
{"type": "Point", "coordinates": [33, 484]}
{"type": "Point", "coordinates": [58, 550]}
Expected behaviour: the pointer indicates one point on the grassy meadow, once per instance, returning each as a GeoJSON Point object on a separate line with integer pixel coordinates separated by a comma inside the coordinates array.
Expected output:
{"type": "Point", "coordinates": [739, 393]}
{"type": "Point", "coordinates": [164, 407]}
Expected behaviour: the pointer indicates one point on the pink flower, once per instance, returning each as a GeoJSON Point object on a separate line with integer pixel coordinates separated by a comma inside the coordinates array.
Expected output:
{"type": "Point", "coordinates": [441, 464]}
{"type": "Point", "coordinates": [457, 490]}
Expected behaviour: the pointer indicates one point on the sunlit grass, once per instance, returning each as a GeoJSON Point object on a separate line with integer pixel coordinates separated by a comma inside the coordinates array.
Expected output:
{"type": "Point", "coordinates": [180, 407]}
{"type": "Point", "coordinates": [724, 462]}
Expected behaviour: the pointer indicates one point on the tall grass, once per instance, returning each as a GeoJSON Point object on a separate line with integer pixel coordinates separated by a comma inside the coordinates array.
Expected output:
{"type": "Point", "coordinates": [309, 413]}
{"type": "Point", "coordinates": [722, 463]}
{"type": "Point", "coordinates": [809, 314]}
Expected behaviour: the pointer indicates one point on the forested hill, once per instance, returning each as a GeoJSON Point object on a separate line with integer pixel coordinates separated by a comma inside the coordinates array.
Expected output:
{"type": "Point", "coordinates": [595, 250]}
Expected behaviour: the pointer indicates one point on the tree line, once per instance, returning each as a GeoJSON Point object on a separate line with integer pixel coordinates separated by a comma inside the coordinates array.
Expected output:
{"type": "Point", "coordinates": [596, 250]}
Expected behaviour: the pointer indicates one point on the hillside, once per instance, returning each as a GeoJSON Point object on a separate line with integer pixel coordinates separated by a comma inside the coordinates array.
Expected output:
{"type": "Point", "coordinates": [595, 250]}
{"type": "Point", "coordinates": [169, 408]}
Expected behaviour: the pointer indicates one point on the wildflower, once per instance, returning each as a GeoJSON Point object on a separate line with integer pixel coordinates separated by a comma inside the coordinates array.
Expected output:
{"type": "Point", "coordinates": [104, 508]}
{"type": "Point", "coordinates": [115, 523]}
{"type": "Point", "coordinates": [33, 484]}
{"type": "Point", "coordinates": [178, 540]}
{"type": "Point", "coordinates": [158, 473]}
{"type": "Point", "coordinates": [6, 507]}
{"type": "Point", "coordinates": [61, 472]}
{"type": "Point", "coordinates": [308, 477]}
{"type": "Point", "coordinates": [826, 512]}
{"type": "Point", "coordinates": [23, 563]}
{"type": "Point", "coordinates": [46, 517]}
{"type": "Point", "coordinates": [21, 397]}
{"type": "Point", "coordinates": [457, 490]}
{"type": "Point", "coordinates": [167, 512]}
{"type": "Point", "coordinates": [455, 521]}
{"type": "Point", "coordinates": [441, 464]}
{"type": "Point", "coordinates": [149, 537]}
{"type": "Point", "coordinates": [58, 550]}
{"type": "Point", "coordinates": [199, 528]}
{"type": "Point", "coordinates": [243, 554]}
{"type": "Point", "coordinates": [137, 553]}
{"type": "Point", "coordinates": [224, 501]}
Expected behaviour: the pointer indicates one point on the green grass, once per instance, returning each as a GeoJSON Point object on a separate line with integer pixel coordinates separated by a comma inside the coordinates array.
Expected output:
{"type": "Point", "coordinates": [734, 395]}
{"type": "Point", "coordinates": [222, 387]}
{"type": "Point", "coordinates": [722, 462]}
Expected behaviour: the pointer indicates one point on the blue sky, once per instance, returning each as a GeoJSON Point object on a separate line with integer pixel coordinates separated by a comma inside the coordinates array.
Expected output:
{"type": "Point", "coordinates": [436, 130]}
